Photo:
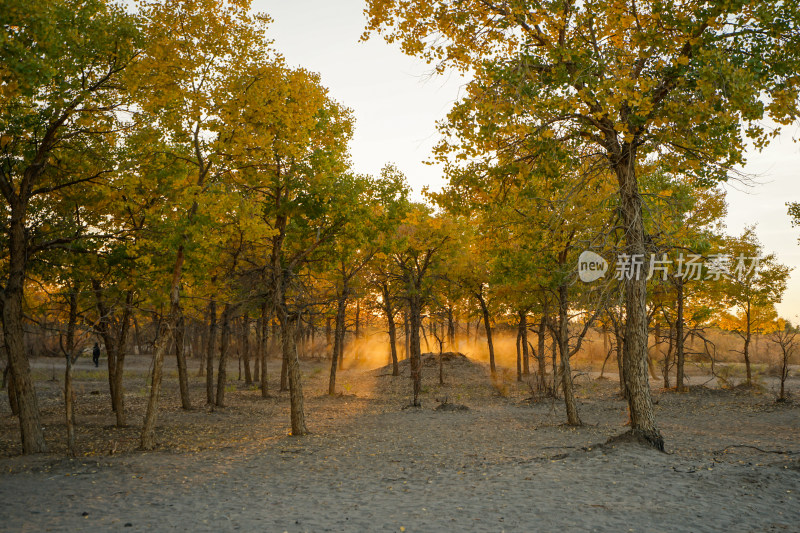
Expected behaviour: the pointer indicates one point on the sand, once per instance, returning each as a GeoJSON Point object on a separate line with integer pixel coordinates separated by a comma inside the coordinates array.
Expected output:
{"type": "Point", "coordinates": [371, 464]}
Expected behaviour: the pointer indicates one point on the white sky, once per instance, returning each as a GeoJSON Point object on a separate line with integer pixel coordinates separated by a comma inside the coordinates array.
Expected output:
{"type": "Point", "coordinates": [396, 103]}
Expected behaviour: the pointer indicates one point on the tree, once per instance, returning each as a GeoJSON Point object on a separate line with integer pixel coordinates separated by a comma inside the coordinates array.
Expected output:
{"type": "Point", "coordinates": [786, 339]}
{"type": "Point", "coordinates": [421, 238]}
{"type": "Point", "coordinates": [196, 52]}
{"type": "Point", "coordinates": [290, 156]}
{"type": "Point", "coordinates": [684, 219]}
{"type": "Point", "coordinates": [62, 64]}
{"type": "Point", "coordinates": [683, 83]}
{"type": "Point", "coordinates": [756, 283]}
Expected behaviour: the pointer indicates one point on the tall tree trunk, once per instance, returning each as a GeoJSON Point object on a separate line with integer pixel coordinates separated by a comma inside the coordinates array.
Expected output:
{"type": "Point", "coordinates": [263, 351]}
{"type": "Point", "coordinates": [414, 344]}
{"type": "Point", "coordinates": [338, 335]}
{"type": "Point", "coordinates": [563, 347]}
{"type": "Point", "coordinates": [554, 354]}
{"type": "Point", "coordinates": [523, 329]}
{"type": "Point", "coordinates": [14, 335]}
{"type": "Point", "coordinates": [211, 348]}
{"type": "Point", "coordinates": [389, 312]}
{"type": "Point", "coordinates": [248, 377]}
{"type": "Point", "coordinates": [257, 358]}
{"type": "Point", "coordinates": [488, 326]}
{"type": "Point", "coordinates": [393, 344]}
{"type": "Point", "coordinates": [519, 355]}
{"type": "Point", "coordinates": [122, 339]}
{"type": "Point", "coordinates": [180, 355]}
{"type": "Point", "coordinates": [451, 329]}
{"type": "Point", "coordinates": [357, 331]}
{"type": "Point", "coordinates": [668, 358]}
{"type": "Point", "coordinates": [328, 334]}
{"type": "Point", "coordinates": [201, 368]}
{"type": "Point", "coordinates": [747, 339]}
{"type": "Point", "coordinates": [640, 403]}
{"type": "Point", "coordinates": [289, 342]}
{"type": "Point", "coordinates": [69, 406]}
{"type": "Point", "coordinates": [69, 394]}
{"type": "Point", "coordinates": [680, 356]}
{"type": "Point", "coordinates": [115, 342]}
{"type": "Point", "coordinates": [163, 343]}
{"type": "Point", "coordinates": [540, 353]}
{"type": "Point", "coordinates": [224, 346]}
{"type": "Point", "coordinates": [441, 361]}
{"type": "Point", "coordinates": [406, 334]}
{"type": "Point", "coordinates": [104, 328]}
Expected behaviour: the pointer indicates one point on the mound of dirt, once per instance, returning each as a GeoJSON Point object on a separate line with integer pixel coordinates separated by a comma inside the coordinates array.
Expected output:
{"type": "Point", "coordinates": [431, 360]}
{"type": "Point", "coordinates": [449, 358]}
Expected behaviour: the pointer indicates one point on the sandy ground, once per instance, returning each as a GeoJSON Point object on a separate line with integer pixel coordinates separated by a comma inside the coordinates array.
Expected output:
{"type": "Point", "coordinates": [506, 464]}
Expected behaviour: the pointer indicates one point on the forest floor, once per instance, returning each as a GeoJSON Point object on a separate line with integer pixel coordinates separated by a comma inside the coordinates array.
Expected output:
{"type": "Point", "coordinates": [508, 463]}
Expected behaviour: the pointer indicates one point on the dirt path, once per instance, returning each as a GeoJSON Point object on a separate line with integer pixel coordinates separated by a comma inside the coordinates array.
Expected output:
{"type": "Point", "coordinates": [370, 465]}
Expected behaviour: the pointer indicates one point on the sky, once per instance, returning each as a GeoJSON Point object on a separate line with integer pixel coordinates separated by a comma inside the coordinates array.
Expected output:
{"type": "Point", "coordinates": [396, 101]}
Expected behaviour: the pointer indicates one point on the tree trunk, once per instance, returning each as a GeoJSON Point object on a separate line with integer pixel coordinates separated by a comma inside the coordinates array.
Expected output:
{"type": "Point", "coordinates": [69, 394]}
{"type": "Point", "coordinates": [338, 335]}
{"type": "Point", "coordinates": [606, 350]}
{"type": "Point", "coordinates": [115, 342]}
{"type": "Point", "coordinates": [387, 309]}
{"type": "Point", "coordinates": [224, 346]}
{"type": "Point", "coordinates": [14, 335]}
{"type": "Point", "coordinates": [679, 338]}
{"type": "Point", "coordinates": [248, 377]}
{"type": "Point", "coordinates": [357, 331]}
{"type": "Point", "coordinates": [526, 365]}
{"type": "Point", "coordinates": [451, 329]}
{"type": "Point", "coordinates": [406, 335]}
{"type": "Point", "coordinates": [785, 368]}
{"type": "Point", "coordinates": [257, 358]}
{"type": "Point", "coordinates": [414, 345]}
{"type": "Point", "coordinates": [441, 362]}
{"type": "Point", "coordinates": [328, 334]}
{"type": "Point", "coordinates": [201, 368]}
{"type": "Point", "coordinates": [288, 334]}
{"type": "Point", "coordinates": [211, 348]}
{"type": "Point", "coordinates": [104, 328]}
{"type": "Point", "coordinates": [519, 355]}
{"type": "Point", "coordinates": [563, 347]}
{"type": "Point", "coordinates": [183, 373]}
{"type": "Point", "coordinates": [69, 406]}
{"type": "Point", "coordinates": [163, 343]}
{"type": "Point", "coordinates": [488, 326]}
{"type": "Point", "coordinates": [640, 403]}
{"type": "Point", "coordinates": [540, 353]}
{"type": "Point", "coordinates": [747, 339]}
{"type": "Point", "coordinates": [668, 357]}
{"type": "Point", "coordinates": [554, 354]}
{"type": "Point", "coordinates": [262, 353]}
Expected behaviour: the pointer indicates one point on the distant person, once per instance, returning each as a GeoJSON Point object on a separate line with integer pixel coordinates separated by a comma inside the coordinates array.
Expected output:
{"type": "Point", "coordinates": [96, 355]}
